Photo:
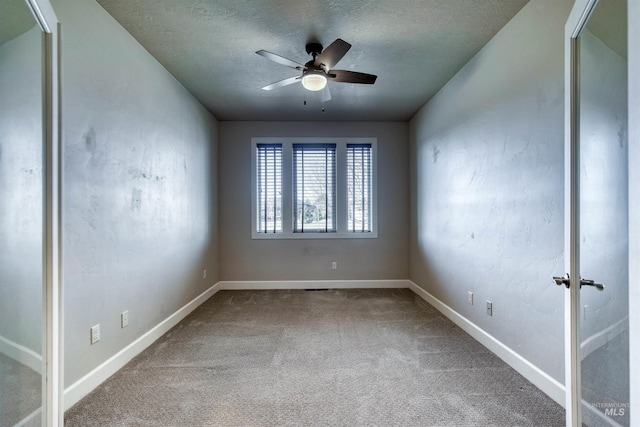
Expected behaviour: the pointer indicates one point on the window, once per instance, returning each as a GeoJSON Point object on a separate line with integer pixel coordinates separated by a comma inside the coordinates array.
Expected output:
{"type": "Point", "coordinates": [359, 188]}
{"type": "Point", "coordinates": [313, 188]}
{"type": "Point", "coordinates": [269, 188]}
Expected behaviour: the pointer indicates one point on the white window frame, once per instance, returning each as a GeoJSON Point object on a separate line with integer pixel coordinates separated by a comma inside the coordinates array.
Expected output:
{"type": "Point", "coordinates": [341, 188]}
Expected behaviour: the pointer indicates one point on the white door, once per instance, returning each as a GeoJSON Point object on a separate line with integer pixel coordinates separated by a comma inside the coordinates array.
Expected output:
{"type": "Point", "coordinates": [597, 302]}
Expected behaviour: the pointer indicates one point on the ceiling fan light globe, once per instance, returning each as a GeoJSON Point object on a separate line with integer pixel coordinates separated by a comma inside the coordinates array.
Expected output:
{"type": "Point", "coordinates": [314, 82]}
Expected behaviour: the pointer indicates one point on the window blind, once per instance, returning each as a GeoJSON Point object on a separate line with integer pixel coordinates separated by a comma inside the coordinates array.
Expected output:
{"type": "Point", "coordinates": [314, 184]}
{"type": "Point", "coordinates": [269, 188]}
{"type": "Point", "coordinates": [359, 188]}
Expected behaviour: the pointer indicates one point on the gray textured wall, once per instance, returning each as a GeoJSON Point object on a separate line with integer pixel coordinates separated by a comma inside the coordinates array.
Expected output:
{"type": "Point", "coordinates": [487, 187]}
{"type": "Point", "coordinates": [21, 191]}
{"type": "Point", "coordinates": [242, 258]}
{"type": "Point", "coordinates": [139, 188]}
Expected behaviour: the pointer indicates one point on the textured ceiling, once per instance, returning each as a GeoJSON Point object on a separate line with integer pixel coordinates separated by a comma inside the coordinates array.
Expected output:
{"type": "Point", "coordinates": [413, 46]}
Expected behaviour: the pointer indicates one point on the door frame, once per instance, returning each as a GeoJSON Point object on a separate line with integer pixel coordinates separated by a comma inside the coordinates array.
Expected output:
{"type": "Point", "coordinates": [633, 58]}
{"type": "Point", "coordinates": [576, 22]}
{"type": "Point", "coordinates": [52, 384]}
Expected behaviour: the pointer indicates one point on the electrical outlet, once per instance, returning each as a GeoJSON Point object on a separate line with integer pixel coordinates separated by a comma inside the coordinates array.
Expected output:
{"type": "Point", "coordinates": [95, 334]}
{"type": "Point", "coordinates": [334, 265]}
{"type": "Point", "coordinates": [204, 273]}
{"type": "Point", "coordinates": [470, 298]}
{"type": "Point", "coordinates": [124, 319]}
{"type": "Point", "coordinates": [489, 308]}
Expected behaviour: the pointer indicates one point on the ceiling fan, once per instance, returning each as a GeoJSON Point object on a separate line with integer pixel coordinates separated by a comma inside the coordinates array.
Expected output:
{"type": "Point", "coordinates": [319, 70]}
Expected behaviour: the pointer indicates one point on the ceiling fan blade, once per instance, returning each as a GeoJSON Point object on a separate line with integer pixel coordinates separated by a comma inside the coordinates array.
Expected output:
{"type": "Point", "coordinates": [285, 82]}
{"type": "Point", "coordinates": [325, 94]}
{"type": "Point", "coordinates": [345, 76]}
{"type": "Point", "coordinates": [332, 54]}
{"type": "Point", "coordinates": [281, 60]}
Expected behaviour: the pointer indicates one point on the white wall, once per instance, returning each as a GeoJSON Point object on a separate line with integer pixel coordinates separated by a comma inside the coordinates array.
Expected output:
{"type": "Point", "coordinates": [487, 187]}
{"type": "Point", "coordinates": [139, 188]}
{"type": "Point", "coordinates": [244, 259]}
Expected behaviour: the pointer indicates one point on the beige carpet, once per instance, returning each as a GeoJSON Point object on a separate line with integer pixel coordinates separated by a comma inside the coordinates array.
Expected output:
{"type": "Point", "coordinates": [316, 358]}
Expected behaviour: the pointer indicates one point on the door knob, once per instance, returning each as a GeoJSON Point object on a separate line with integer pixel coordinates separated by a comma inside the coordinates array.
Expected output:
{"type": "Point", "coordinates": [585, 282]}
{"type": "Point", "coordinates": [562, 280]}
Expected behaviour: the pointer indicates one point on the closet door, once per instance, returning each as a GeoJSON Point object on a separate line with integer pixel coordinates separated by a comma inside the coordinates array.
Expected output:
{"type": "Point", "coordinates": [30, 286]}
{"type": "Point", "coordinates": [597, 317]}
{"type": "Point", "coordinates": [22, 215]}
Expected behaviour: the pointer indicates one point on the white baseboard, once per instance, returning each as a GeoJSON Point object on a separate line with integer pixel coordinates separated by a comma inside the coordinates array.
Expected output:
{"type": "Point", "coordinates": [312, 284]}
{"type": "Point", "coordinates": [21, 354]}
{"type": "Point", "coordinates": [539, 378]}
{"type": "Point", "coordinates": [93, 379]}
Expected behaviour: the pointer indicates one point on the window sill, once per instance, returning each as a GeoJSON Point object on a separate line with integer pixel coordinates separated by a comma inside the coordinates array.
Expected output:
{"type": "Point", "coordinates": [312, 236]}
